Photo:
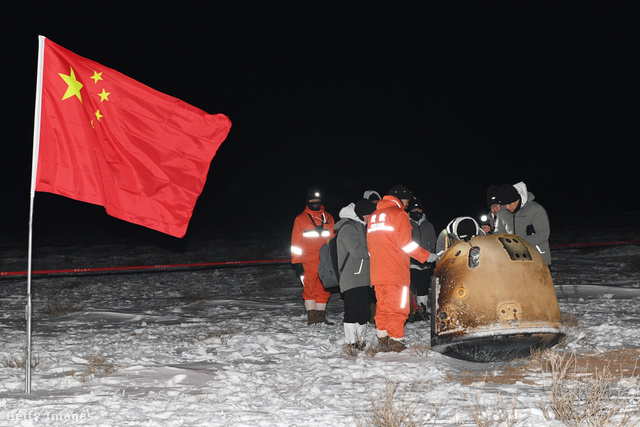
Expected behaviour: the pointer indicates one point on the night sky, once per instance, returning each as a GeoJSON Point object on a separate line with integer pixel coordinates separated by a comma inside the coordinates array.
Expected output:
{"type": "Point", "coordinates": [446, 99]}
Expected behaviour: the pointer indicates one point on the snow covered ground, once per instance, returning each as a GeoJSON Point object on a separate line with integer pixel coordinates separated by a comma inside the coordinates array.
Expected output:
{"type": "Point", "coordinates": [230, 346]}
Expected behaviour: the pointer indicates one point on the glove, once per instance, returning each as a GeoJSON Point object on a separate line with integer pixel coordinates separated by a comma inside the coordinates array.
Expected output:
{"type": "Point", "coordinates": [433, 257]}
{"type": "Point", "coordinates": [299, 269]}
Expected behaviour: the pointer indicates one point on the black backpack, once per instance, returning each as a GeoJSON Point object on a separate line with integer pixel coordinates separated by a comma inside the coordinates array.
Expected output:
{"type": "Point", "coordinates": [328, 268]}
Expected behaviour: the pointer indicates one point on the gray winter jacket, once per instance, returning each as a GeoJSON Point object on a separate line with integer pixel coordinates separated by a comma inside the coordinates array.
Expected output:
{"type": "Point", "coordinates": [529, 222]}
{"type": "Point", "coordinates": [423, 233]}
{"type": "Point", "coordinates": [352, 240]}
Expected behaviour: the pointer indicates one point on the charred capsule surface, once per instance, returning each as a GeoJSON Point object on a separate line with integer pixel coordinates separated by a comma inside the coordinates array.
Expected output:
{"type": "Point", "coordinates": [493, 299]}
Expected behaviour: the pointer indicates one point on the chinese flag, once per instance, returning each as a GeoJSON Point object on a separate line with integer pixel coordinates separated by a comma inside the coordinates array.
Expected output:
{"type": "Point", "coordinates": [109, 140]}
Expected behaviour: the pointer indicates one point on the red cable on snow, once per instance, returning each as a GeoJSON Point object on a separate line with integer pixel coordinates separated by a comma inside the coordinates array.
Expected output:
{"type": "Point", "coordinates": [148, 267]}
{"type": "Point", "coordinates": [234, 263]}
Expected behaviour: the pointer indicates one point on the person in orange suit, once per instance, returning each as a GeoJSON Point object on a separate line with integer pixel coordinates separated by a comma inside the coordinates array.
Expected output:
{"type": "Point", "coordinates": [311, 229]}
{"type": "Point", "coordinates": [391, 248]}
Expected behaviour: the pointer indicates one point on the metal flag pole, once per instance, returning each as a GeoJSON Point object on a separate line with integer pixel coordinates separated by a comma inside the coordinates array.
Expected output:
{"type": "Point", "coordinates": [34, 170]}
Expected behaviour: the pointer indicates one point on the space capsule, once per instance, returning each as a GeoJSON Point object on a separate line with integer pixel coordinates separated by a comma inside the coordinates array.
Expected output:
{"type": "Point", "coordinates": [492, 299]}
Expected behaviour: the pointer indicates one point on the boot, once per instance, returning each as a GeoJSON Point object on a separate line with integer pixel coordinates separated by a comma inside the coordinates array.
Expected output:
{"type": "Point", "coordinates": [361, 333]}
{"type": "Point", "coordinates": [322, 317]}
{"type": "Point", "coordinates": [350, 333]}
{"type": "Point", "coordinates": [396, 345]}
{"type": "Point", "coordinates": [383, 345]}
{"type": "Point", "coordinates": [312, 317]}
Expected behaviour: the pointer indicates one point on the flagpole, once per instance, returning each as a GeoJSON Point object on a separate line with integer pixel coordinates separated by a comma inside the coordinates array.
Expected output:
{"type": "Point", "coordinates": [32, 196]}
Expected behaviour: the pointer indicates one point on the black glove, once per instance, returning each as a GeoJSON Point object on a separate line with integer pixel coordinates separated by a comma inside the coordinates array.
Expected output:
{"type": "Point", "coordinates": [530, 230]}
{"type": "Point", "coordinates": [299, 269]}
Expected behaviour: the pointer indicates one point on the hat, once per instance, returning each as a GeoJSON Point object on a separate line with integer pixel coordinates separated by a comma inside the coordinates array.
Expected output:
{"type": "Point", "coordinates": [492, 195]}
{"type": "Point", "coordinates": [401, 192]}
{"type": "Point", "coordinates": [313, 193]}
{"type": "Point", "coordinates": [364, 207]}
{"type": "Point", "coordinates": [415, 203]}
{"type": "Point", "coordinates": [372, 195]}
{"type": "Point", "coordinates": [508, 194]}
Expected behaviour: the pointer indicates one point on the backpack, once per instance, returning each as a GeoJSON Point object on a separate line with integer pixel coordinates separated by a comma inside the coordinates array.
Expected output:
{"type": "Point", "coordinates": [328, 268]}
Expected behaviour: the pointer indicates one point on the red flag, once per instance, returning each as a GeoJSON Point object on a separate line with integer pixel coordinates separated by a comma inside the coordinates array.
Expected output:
{"type": "Point", "coordinates": [109, 140]}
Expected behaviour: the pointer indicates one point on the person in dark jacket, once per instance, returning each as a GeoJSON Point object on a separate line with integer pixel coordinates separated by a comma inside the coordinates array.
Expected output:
{"type": "Point", "coordinates": [524, 217]}
{"type": "Point", "coordinates": [423, 233]}
{"type": "Point", "coordinates": [353, 261]}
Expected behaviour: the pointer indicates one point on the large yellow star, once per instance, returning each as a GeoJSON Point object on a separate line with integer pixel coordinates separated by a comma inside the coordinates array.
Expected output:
{"type": "Point", "coordinates": [96, 76]}
{"type": "Point", "coordinates": [74, 85]}
{"type": "Point", "coordinates": [104, 96]}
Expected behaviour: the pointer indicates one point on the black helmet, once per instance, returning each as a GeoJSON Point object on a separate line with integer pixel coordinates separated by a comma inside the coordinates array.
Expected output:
{"type": "Point", "coordinates": [313, 193]}
{"type": "Point", "coordinates": [492, 195]}
{"type": "Point", "coordinates": [401, 192]}
{"type": "Point", "coordinates": [415, 203]}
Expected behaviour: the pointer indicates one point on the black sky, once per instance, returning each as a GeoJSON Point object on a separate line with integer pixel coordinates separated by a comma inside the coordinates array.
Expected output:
{"type": "Point", "coordinates": [446, 98]}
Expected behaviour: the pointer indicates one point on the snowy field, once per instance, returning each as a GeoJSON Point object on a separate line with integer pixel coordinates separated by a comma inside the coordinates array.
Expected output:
{"type": "Point", "coordinates": [230, 346]}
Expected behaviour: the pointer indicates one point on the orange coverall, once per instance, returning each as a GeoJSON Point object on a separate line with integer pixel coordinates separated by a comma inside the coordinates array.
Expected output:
{"type": "Point", "coordinates": [390, 249]}
{"type": "Point", "coordinates": [311, 229]}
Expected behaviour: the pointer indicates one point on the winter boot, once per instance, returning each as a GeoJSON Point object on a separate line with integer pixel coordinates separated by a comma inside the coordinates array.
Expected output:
{"type": "Point", "coordinates": [312, 317]}
{"type": "Point", "coordinates": [360, 334]}
{"type": "Point", "coordinates": [396, 345]}
{"type": "Point", "coordinates": [383, 345]}
{"type": "Point", "coordinates": [350, 333]}
{"type": "Point", "coordinates": [322, 317]}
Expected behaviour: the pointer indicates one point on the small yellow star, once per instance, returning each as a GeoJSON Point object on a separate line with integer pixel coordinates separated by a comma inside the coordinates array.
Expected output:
{"type": "Point", "coordinates": [104, 95]}
{"type": "Point", "coordinates": [98, 115]}
{"type": "Point", "coordinates": [74, 85]}
{"type": "Point", "coordinates": [96, 76]}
